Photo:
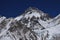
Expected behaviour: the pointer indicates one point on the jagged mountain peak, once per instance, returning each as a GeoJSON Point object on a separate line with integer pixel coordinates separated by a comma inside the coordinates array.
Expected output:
{"type": "Point", "coordinates": [33, 12]}
{"type": "Point", "coordinates": [31, 25]}
{"type": "Point", "coordinates": [32, 9]}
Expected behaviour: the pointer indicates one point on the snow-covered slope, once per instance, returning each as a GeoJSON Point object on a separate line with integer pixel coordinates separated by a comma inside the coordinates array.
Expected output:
{"type": "Point", "coordinates": [33, 24]}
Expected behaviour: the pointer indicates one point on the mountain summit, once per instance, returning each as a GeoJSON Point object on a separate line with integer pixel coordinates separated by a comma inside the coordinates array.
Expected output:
{"type": "Point", "coordinates": [33, 24]}
{"type": "Point", "coordinates": [33, 12]}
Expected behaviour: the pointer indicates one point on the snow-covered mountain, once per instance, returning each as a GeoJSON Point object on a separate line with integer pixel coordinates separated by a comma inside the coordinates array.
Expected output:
{"type": "Point", "coordinates": [33, 24]}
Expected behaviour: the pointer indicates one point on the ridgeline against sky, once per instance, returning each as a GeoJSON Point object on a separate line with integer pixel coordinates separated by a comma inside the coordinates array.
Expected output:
{"type": "Point", "coordinates": [13, 8]}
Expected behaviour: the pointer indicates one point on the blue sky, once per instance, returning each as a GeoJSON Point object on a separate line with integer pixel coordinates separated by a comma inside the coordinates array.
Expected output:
{"type": "Point", "coordinates": [13, 8]}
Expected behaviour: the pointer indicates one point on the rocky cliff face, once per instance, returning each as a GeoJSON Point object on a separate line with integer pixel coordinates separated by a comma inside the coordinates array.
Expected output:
{"type": "Point", "coordinates": [33, 24]}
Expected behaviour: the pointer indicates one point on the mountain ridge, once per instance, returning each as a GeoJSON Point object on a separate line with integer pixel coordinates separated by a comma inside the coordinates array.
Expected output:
{"type": "Point", "coordinates": [33, 24]}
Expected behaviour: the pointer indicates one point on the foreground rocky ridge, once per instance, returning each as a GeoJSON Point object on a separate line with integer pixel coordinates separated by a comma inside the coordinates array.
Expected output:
{"type": "Point", "coordinates": [33, 24]}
